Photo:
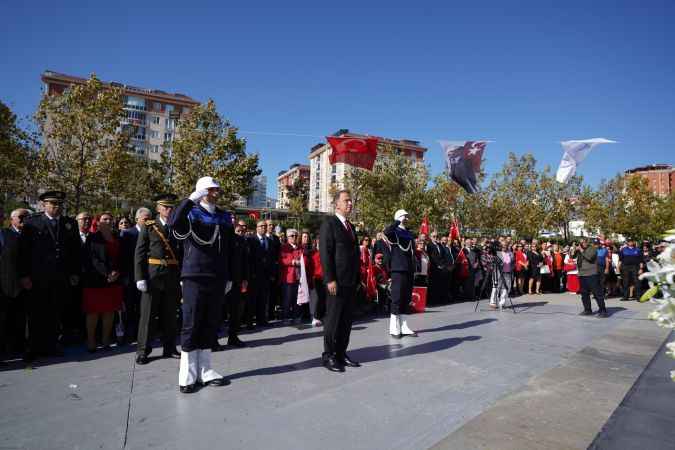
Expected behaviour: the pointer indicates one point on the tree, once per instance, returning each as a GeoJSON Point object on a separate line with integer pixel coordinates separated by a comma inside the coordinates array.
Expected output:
{"type": "Point", "coordinates": [207, 145]}
{"type": "Point", "coordinates": [393, 183]}
{"type": "Point", "coordinates": [298, 196]}
{"type": "Point", "coordinates": [17, 157]}
{"type": "Point", "coordinates": [82, 134]}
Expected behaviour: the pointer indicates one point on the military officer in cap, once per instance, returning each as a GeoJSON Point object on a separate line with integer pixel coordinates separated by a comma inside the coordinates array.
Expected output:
{"type": "Point", "coordinates": [48, 266]}
{"type": "Point", "coordinates": [157, 273]}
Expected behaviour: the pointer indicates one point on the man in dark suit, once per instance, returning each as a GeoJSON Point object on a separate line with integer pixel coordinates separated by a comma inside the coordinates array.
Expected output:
{"type": "Point", "coordinates": [340, 260]}
{"type": "Point", "coordinates": [157, 275]}
{"type": "Point", "coordinates": [274, 298]}
{"type": "Point", "coordinates": [438, 270]}
{"type": "Point", "coordinates": [132, 296]}
{"type": "Point", "coordinates": [241, 265]}
{"type": "Point", "coordinates": [261, 275]}
{"type": "Point", "coordinates": [49, 264]}
{"type": "Point", "coordinates": [12, 296]}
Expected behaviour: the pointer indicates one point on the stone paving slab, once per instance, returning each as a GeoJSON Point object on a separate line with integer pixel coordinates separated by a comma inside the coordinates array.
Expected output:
{"type": "Point", "coordinates": [565, 406]}
{"type": "Point", "coordinates": [409, 394]}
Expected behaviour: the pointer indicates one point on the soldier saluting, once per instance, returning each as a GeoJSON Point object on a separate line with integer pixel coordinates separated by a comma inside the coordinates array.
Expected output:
{"type": "Point", "coordinates": [157, 274]}
{"type": "Point", "coordinates": [48, 266]}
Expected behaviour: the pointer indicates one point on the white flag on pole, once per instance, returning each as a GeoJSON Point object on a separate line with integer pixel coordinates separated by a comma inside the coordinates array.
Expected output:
{"type": "Point", "coordinates": [575, 152]}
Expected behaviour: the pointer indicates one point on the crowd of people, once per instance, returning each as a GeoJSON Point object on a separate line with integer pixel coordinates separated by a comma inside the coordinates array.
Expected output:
{"type": "Point", "coordinates": [102, 280]}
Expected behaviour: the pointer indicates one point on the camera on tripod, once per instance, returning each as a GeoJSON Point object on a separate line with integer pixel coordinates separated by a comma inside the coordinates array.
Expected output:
{"type": "Point", "coordinates": [493, 247]}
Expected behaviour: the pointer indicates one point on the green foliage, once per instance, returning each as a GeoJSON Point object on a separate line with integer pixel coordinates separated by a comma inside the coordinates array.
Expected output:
{"type": "Point", "coordinates": [298, 196]}
{"type": "Point", "coordinates": [84, 148]}
{"type": "Point", "coordinates": [393, 183]}
{"type": "Point", "coordinates": [207, 145]}
{"type": "Point", "coordinates": [17, 159]}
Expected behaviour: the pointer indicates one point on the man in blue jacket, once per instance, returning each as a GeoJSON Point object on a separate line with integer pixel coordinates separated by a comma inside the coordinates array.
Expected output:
{"type": "Point", "coordinates": [631, 258]}
{"type": "Point", "coordinates": [208, 237]}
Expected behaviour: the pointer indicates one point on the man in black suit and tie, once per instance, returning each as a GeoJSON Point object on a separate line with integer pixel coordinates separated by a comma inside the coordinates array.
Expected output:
{"type": "Point", "coordinates": [261, 275]}
{"type": "Point", "coordinates": [12, 298]}
{"type": "Point", "coordinates": [339, 251]}
{"type": "Point", "coordinates": [49, 265]}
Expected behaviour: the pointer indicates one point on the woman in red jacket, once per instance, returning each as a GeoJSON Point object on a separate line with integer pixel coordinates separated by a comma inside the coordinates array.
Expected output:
{"type": "Point", "coordinates": [289, 268]}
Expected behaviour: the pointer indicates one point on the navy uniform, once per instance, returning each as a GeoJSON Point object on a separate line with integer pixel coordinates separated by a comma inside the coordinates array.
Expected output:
{"type": "Point", "coordinates": [49, 264]}
{"type": "Point", "coordinates": [157, 274]}
{"type": "Point", "coordinates": [207, 235]}
{"type": "Point", "coordinates": [402, 264]}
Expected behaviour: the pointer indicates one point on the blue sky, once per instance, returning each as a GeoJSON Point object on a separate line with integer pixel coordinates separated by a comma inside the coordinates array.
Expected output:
{"type": "Point", "coordinates": [526, 74]}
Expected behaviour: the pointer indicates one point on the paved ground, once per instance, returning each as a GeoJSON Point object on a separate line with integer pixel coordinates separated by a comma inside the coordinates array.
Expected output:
{"type": "Point", "coordinates": [470, 380]}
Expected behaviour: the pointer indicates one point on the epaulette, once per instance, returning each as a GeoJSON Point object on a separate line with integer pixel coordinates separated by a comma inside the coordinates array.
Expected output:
{"type": "Point", "coordinates": [149, 222]}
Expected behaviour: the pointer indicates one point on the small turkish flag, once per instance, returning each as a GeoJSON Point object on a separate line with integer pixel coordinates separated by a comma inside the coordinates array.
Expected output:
{"type": "Point", "coordinates": [255, 215]}
{"type": "Point", "coordinates": [424, 228]}
{"type": "Point", "coordinates": [355, 151]}
{"type": "Point", "coordinates": [454, 230]}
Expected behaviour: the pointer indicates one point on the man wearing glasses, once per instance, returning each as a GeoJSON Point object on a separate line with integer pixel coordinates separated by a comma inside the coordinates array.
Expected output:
{"type": "Point", "coordinates": [260, 276]}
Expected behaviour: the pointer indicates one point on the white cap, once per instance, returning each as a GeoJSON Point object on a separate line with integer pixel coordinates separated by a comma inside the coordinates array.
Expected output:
{"type": "Point", "coordinates": [400, 213]}
{"type": "Point", "coordinates": [206, 183]}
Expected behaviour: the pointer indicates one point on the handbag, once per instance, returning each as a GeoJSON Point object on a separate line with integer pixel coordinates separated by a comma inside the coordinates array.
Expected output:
{"type": "Point", "coordinates": [544, 270]}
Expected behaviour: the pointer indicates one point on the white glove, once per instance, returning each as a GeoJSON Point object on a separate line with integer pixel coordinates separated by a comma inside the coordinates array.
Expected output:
{"type": "Point", "coordinates": [228, 287]}
{"type": "Point", "coordinates": [142, 285]}
{"type": "Point", "coordinates": [197, 195]}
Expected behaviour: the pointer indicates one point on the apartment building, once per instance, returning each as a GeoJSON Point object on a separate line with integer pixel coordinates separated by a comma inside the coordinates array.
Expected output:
{"type": "Point", "coordinates": [661, 177]}
{"type": "Point", "coordinates": [151, 112]}
{"type": "Point", "coordinates": [324, 176]}
{"type": "Point", "coordinates": [286, 179]}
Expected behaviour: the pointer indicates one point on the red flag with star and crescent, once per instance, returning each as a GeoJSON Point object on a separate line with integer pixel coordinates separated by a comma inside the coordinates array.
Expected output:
{"type": "Point", "coordinates": [462, 161]}
{"type": "Point", "coordinates": [355, 151]}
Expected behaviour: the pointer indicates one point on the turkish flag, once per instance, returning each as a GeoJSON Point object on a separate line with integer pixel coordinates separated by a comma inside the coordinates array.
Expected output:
{"type": "Point", "coordinates": [424, 228]}
{"type": "Point", "coordinates": [355, 151]}
{"type": "Point", "coordinates": [462, 161]}
{"type": "Point", "coordinates": [255, 215]}
{"type": "Point", "coordinates": [454, 230]}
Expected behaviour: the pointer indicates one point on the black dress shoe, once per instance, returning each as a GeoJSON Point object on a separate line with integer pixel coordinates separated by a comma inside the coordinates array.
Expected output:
{"type": "Point", "coordinates": [586, 313]}
{"type": "Point", "coordinates": [142, 359]}
{"type": "Point", "coordinates": [218, 382]}
{"type": "Point", "coordinates": [236, 342]}
{"type": "Point", "coordinates": [189, 389]}
{"type": "Point", "coordinates": [334, 365]}
{"type": "Point", "coordinates": [603, 314]}
{"type": "Point", "coordinates": [171, 353]}
{"type": "Point", "coordinates": [347, 361]}
{"type": "Point", "coordinates": [264, 324]}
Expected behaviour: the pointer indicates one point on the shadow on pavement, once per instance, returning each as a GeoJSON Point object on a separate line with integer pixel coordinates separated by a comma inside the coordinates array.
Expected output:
{"type": "Point", "coordinates": [363, 355]}
{"type": "Point", "coordinates": [457, 326]}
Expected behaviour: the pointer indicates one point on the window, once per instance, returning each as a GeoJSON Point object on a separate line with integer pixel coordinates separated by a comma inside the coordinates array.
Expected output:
{"type": "Point", "coordinates": [154, 134]}
{"type": "Point", "coordinates": [134, 102]}
{"type": "Point", "coordinates": [154, 149]}
{"type": "Point", "coordinates": [135, 116]}
{"type": "Point", "coordinates": [155, 120]}
{"type": "Point", "coordinates": [167, 137]}
{"type": "Point", "coordinates": [169, 124]}
{"type": "Point", "coordinates": [140, 133]}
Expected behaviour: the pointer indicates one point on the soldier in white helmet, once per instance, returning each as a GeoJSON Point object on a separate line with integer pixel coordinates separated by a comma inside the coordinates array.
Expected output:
{"type": "Point", "coordinates": [208, 236]}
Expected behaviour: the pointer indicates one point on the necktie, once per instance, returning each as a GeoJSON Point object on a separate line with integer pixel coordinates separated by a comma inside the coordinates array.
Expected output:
{"type": "Point", "coordinates": [349, 228]}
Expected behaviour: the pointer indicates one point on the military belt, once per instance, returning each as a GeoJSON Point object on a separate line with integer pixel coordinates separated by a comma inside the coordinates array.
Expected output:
{"type": "Point", "coordinates": [162, 262]}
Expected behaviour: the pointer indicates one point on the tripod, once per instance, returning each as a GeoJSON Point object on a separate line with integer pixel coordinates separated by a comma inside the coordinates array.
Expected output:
{"type": "Point", "coordinates": [498, 283]}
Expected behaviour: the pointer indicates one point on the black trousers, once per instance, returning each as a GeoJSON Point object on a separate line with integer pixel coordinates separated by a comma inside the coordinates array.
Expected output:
{"type": "Point", "coordinates": [160, 301]}
{"type": "Point", "coordinates": [289, 301]}
{"type": "Point", "coordinates": [257, 302]}
{"type": "Point", "coordinates": [235, 300]}
{"type": "Point", "coordinates": [202, 312]}
{"type": "Point", "coordinates": [337, 324]}
{"type": "Point", "coordinates": [556, 280]}
{"type": "Point", "coordinates": [317, 300]}
{"type": "Point", "coordinates": [629, 275]}
{"type": "Point", "coordinates": [437, 286]}
{"type": "Point", "coordinates": [401, 292]}
{"type": "Point", "coordinates": [44, 314]}
{"type": "Point", "coordinates": [132, 310]}
{"type": "Point", "coordinates": [12, 324]}
{"type": "Point", "coordinates": [590, 284]}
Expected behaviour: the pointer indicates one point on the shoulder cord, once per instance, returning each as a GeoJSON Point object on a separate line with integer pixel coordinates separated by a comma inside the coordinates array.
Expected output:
{"type": "Point", "coordinates": [403, 249]}
{"type": "Point", "coordinates": [198, 240]}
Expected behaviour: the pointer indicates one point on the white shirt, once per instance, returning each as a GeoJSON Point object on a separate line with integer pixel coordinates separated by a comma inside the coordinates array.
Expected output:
{"type": "Point", "coordinates": [208, 206]}
{"type": "Point", "coordinates": [50, 217]}
{"type": "Point", "coordinates": [83, 236]}
{"type": "Point", "coordinates": [161, 221]}
{"type": "Point", "coordinates": [138, 227]}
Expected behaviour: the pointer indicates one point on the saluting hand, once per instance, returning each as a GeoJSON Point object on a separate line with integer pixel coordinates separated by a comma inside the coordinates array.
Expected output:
{"type": "Point", "coordinates": [197, 195]}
